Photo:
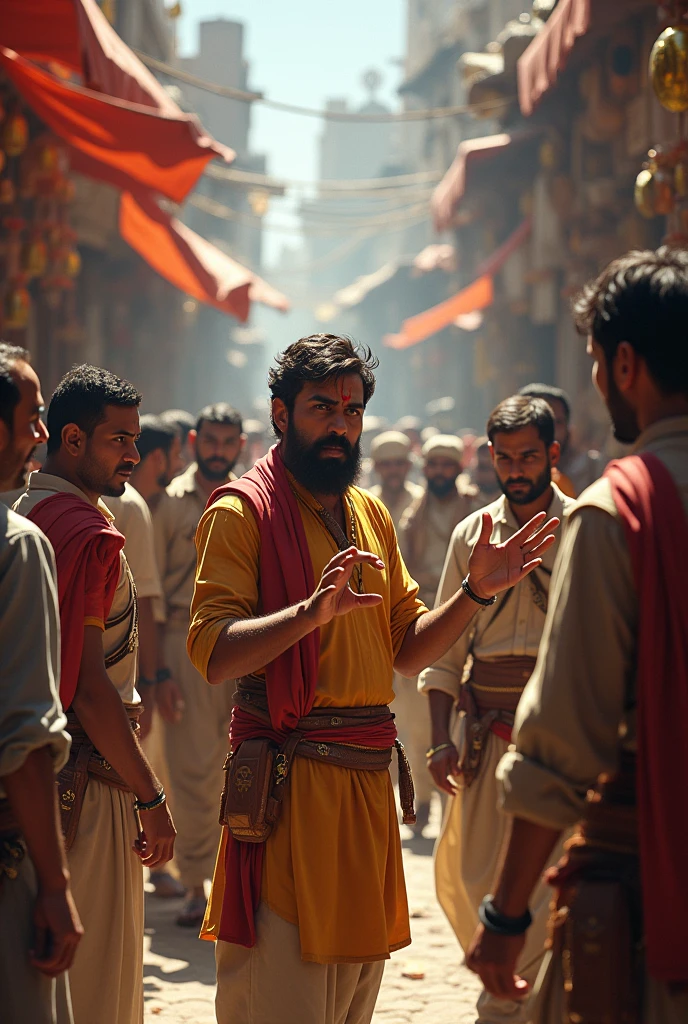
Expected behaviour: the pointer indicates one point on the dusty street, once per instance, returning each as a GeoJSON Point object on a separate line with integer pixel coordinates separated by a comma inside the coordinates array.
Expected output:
{"type": "Point", "coordinates": [179, 969]}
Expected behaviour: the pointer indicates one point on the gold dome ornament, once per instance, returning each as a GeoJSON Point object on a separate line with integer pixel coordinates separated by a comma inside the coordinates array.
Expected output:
{"type": "Point", "coordinates": [669, 69]}
{"type": "Point", "coordinates": [644, 193]}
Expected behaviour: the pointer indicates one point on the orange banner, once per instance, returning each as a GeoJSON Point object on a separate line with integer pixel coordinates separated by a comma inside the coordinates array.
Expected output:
{"type": "Point", "coordinates": [476, 296]}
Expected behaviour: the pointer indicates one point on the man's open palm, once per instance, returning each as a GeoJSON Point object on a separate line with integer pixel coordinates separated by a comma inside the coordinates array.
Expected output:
{"type": "Point", "coordinates": [496, 567]}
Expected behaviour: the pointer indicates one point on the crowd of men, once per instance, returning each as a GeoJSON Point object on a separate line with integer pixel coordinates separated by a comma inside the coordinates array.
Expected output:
{"type": "Point", "coordinates": [172, 606]}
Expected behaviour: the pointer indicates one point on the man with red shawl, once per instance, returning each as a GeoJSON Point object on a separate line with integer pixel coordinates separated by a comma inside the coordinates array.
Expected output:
{"type": "Point", "coordinates": [114, 814]}
{"type": "Point", "coordinates": [302, 596]}
{"type": "Point", "coordinates": [600, 729]}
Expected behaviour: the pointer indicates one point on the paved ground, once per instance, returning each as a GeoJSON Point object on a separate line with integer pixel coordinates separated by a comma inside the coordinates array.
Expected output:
{"type": "Point", "coordinates": [179, 972]}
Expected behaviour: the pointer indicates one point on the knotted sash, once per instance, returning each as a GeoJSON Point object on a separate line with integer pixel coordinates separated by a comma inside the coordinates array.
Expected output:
{"type": "Point", "coordinates": [656, 531]}
{"type": "Point", "coordinates": [87, 549]}
{"type": "Point", "coordinates": [286, 577]}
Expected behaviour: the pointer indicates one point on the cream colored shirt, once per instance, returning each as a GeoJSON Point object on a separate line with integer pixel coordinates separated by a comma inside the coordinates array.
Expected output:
{"type": "Point", "coordinates": [133, 519]}
{"type": "Point", "coordinates": [123, 674]}
{"type": "Point", "coordinates": [175, 521]}
{"type": "Point", "coordinates": [515, 630]}
{"type": "Point", "coordinates": [408, 494]}
{"type": "Point", "coordinates": [578, 705]}
{"type": "Point", "coordinates": [30, 711]}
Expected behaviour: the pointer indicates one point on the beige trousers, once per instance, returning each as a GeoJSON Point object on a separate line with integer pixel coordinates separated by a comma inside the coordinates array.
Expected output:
{"type": "Point", "coordinates": [26, 995]}
{"type": "Point", "coordinates": [107, 880]}
{"type": "Point", "coordinates": [466, 860]}
{"type": "Point", "coordinates": [196, 749]}
{"type": "Point", "coordinates": [412, 711]}
{"type": "Point", "coordinates": [271, 984]}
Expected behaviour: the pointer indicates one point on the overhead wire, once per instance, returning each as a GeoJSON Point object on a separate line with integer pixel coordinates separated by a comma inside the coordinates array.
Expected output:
{"type": "Point", "coordinates": [355, 185]}
{"type": "Point", "coordinates": [244, 96]}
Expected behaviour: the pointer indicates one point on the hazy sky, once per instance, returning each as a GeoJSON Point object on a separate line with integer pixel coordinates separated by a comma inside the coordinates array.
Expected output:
{"type": "Point", "coordinates": [304, 51]}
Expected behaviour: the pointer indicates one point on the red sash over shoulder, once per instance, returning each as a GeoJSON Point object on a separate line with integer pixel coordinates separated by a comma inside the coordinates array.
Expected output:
{"type": "Point", "coordinates": [86, 545]}
{"type": "Point", "coordinates": [286, 577]}
{"type": "Point", "coordinates": [656, 531]}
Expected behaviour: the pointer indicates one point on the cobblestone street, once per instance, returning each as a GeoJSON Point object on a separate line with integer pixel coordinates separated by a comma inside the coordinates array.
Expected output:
{"type": "Point", "coordinates": [423, 984]}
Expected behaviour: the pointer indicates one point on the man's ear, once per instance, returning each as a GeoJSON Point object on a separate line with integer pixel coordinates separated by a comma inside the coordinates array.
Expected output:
{"type": "Point", "coordinates": [242, 442]}
{"type": "Point", "coordinates": [191, 440]}
{"type": "Point", "coordinates": [280, 415]}
{"type": "Point", "coordinates": [492, 451]}
{"type": "Point", "coordinates": [4, 436]}
{"type": "Point", "coordinates": [626, 366]}
{"type": "Point", "coordinates": [73, 439]}
{"type": "Point", "coordinates": [554, 453]}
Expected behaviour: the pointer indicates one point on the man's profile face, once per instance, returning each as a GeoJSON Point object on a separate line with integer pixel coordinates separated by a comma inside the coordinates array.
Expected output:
{"type": "Point", "coordinates": [441, 473]}
{"type": "Point", "coordinates": [322, 433]}
{"type": "Point", "coordinates": [484, 475]}
{"type": "Point", "coordinates": [218, 446]}
{"type": "Point", "coordinates": [28, 428]}
{"type": "Point", "coordinates": [106, 458]}
{"type": "Point", "coordinates": [624, 419]}
{"type": "Point", "coordinates": [392, 472]}
{"type": "Point", "coordinates": [523, 464]}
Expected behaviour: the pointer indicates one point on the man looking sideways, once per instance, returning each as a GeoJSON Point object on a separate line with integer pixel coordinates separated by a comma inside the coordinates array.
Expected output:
{"type": "Point", "coordinates": [93, 423]}
{"type": "Point", "coordinates": [599, 742]}
{"type": "Point", "coordinates": [302, 595]}
{"type": "Point", "coordinates": [39, 925]}
{"type": "Point", "coordinates": [501, 651]}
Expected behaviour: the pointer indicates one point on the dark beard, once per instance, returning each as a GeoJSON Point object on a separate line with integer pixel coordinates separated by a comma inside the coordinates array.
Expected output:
{"type": "Point", "coordinates": [318, 475]}
{"type": "Point", "coordinates": [536, 490]}
{"type": "Point", "coordinates": [441, 488]}
{"type": "Point", "coordinates": [624, 419]}
{"type": "Point", "coordinates": [215, 476]}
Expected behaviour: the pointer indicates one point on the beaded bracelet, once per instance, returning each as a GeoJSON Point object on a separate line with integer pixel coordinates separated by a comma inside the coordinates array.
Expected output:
{"type": "Point", "coordinates": [484, 601]}
{"type": "Point", "coordinates": [142, 805]}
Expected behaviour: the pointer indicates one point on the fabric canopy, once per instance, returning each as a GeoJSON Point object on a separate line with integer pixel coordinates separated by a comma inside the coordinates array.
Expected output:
{"type": "Point", "coordinates": [191, 263]}
{"type": "Point", "coordinates": [451, 189]}
{"type": "Point", "coordinates": [546, 56]}
{"type": "Point", "coordinates": [478, 295]}
{"type": "Point", "coordinates": [122, 143]}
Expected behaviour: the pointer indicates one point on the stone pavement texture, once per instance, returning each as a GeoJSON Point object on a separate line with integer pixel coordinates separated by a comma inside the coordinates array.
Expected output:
{"type": "Point", "coordinates": [423, 984]}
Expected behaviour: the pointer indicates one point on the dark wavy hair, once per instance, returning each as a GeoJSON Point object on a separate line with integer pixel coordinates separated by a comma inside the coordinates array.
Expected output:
{"type": "Point", "coordinates": [320, 357]}
{"type": "Point", "coordinates": [521, 411]}
{"type": "Point", "coordinates": [81, 398]}
{"type": "Point", "coordinates": [9, 389]}
{"type": "Point", "coordinates": [642, 298]}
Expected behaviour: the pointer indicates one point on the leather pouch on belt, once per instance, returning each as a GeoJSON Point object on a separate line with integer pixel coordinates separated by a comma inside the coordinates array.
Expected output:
{"type": "Point", "coordinates": [594, 936]}
{"type": "Point", "coordinates": [71, 789]}
{"type": "Point", "coordinates": [247, 807]}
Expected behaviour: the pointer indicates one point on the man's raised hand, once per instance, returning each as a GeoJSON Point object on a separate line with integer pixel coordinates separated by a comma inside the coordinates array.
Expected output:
{"type": "Point", "coordinates": [333, 595]}
{"type": "Point", "coordinates": [496, 567]}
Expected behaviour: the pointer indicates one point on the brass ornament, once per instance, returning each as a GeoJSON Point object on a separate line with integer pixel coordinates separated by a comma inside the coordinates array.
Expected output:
{"type": "Point", "coordinates": [669, 69]}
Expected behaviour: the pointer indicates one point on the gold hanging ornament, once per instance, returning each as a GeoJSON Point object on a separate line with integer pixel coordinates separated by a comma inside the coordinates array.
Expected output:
{"type": "Point", "coordinates": [644, 192]}
{"type": "Point", "coordinates": [669, 69]}
{"type": "Point", "coordinates": [17, 305]}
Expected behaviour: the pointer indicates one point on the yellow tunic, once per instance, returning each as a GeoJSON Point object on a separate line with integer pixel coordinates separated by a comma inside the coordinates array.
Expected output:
{"type": "Point", "coordinates": [333, 863]}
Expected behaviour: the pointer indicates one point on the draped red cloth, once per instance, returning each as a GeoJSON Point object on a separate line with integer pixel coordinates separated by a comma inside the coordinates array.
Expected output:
{"type": "Point", "coordinates": [86, 545]}
{"type": "Point", "coordinates": [286, 577]}
{"type": "Point", "coordinates": [656, 530]}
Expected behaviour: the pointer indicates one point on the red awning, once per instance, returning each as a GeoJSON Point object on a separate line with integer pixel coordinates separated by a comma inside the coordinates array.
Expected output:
{"type": "Point", "coordinates": [546, 56]}
{"type": "Point", "coordinates": [122, 143]}
{"type": "Point", "coordinates": [191, 263]}
{"type": "Point", "coordinates": [452, 187]}
{"type": "Point", "coordinates": [478, 295]}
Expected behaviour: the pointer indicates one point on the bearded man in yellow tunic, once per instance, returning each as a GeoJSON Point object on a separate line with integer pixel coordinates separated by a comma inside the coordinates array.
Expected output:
{"type": "Point", "coordinates": [301, 595]}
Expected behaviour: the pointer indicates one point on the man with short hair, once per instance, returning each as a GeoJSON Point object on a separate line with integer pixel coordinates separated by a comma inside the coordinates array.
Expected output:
{"type": "Point", "coordinates": [93, 423]}
{"type": "Point", "coordinates": [307, 914]}
{"type": "Point", "coordinates": [21, 416]}
{"type": "Point", "coordinates": [581, 468]}
{"type": "Point", "coordinates": [159, 445]}
{"type": "Point", "coordinates": [196, 743]}
{"type": "Point", "coordinates": [39, 925]}
{"type": "Point", "coordinates": [600, 734]}
{"type": "Point", "coordinates": [390, 452]}
{"type": "Point", "coordinates": [500, 654]}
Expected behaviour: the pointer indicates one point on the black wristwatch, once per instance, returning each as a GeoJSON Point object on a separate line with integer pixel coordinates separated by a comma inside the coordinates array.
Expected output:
{"type": "Point", "coordinates": [497, 922]}
{"type": "Point", "coordinates": [162, 675]}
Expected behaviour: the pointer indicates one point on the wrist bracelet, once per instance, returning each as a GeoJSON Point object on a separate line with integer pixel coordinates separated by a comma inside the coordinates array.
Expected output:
{"type": "Point", "coordinates": [162, 675]}
{"type": "Point", "coordinates": [484, 601]}
{"type": "Point", "coordinates": [431, 751]}
{"type": "Point", "coordinates": [498, 923]}
{"type": "Point", "coordinates": [150, 805]}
